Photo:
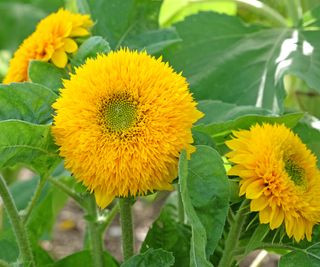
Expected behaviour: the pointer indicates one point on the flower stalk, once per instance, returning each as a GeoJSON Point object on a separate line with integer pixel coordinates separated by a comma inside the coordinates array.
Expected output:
{"type": "Point", "coordinates": [126, 227]}
{"type": "Point", "coordinates": [232, 240]}
{"type": "Point", "coordinates": [17, 225]}
{"type": "Point", "coordinates": [95, 235]}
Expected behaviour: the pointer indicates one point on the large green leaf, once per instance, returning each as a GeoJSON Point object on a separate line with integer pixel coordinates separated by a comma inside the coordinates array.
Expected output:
{"type": "Point", "coordinates": [170, 235]}
{"type": "Point", "coordinates": [220, 130]}
{"type": "Point", "coordinates": [84, 259]}
{"type": "Point", "coordinates": [205, 195]}
{"type": "Point", "coordinates": [90, 48]}
{"type": "Point", "coordinates": [26, 101]}
{"type": "Point", "coordinates": [176, 10]}
{"type": "Point", "coordinates": [46, 74]}
{"type": "Point", "coordinates": [151, 258]}
{"type": "Point", "coordinates": [309, 256]}
{"type": "Point", "coordinates": [119, 20]}
{"type": "Point", "coordinates": [153, 41]}
{"type": "Point", "coordinates": [9, 250]}
{"type": "Point", "coordinates": [27, 143]}
{"type": "Point", "coordinates": [233, 62]}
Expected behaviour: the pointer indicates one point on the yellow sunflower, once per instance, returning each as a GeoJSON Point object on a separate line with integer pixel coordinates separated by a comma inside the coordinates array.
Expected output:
{"type": "Point", "coordinates": [280, 176]}
{"type": "Point", "coordinates": [121, 122]}
{"type": "Point", "coordinates": [51, 41]}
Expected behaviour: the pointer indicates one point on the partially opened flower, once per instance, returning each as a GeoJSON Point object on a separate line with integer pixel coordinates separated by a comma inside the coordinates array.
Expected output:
{"type": "Point", "coordinates": [121, 122]}
{"type": "Point", "coordinates": [52, 40]}
{"type": "Point", "coordinates": [280, 176]}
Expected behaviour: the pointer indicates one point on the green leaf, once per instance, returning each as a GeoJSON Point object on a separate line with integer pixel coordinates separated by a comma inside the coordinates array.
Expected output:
{"type": "Point", "coordinates": [46, 74]}
{"type": "Point", "coordinates": [9, 250]}
{"type": "Point", "coordinates": [153, 41]}
{"type": "Point", "coordinates": [243, 64]}
{"type": "Point", "coordinates": [84, 259]}
{"type": "Point", "coordinates": [30, 144]}
{"type": "Point", "coordinates": [176, 10]}
{"type": "Point", "coordinates": [307, 257]}
{"type": "Point", "coordinates": [22, 191]}
{"type": "Point", "coordinates": [310, 136]}
{"type": "Point", "coordinates": [44, 214]}
{"type": "Point", "coordinates": [216, 111]}
{"type": "Point", "coordinates": [205, 195]}
{"type": "Point", "coordinates": [220, 131]}
{"type": "Point", "coordinates": [118, 20]}
{"type": "Point", "coordinates": [170, 235]}
{"type": "Point", "coordinates": [90, 48]}
{"type": "Point", "coordinates": [26, 101]}
{"type": "Point", "coordinates": [151, 258]}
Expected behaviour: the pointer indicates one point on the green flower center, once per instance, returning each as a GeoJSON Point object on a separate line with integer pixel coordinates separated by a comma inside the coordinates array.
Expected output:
{"type": "Point", "coordinates": [295, 172]}
{"type": "Point", "coordinates": [120, 113]}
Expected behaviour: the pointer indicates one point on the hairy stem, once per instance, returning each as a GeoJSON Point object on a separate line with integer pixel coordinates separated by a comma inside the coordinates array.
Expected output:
{"type": "Point", "coordinates": [95, 235]}
{"type": "Point", "coordinates": [66, 190]}
{"type": "Point", "coordinates": [126, 227]}
{"type": "Point", "coordinates": [34, 199]}
{"type": "Point", "coordinates": [232, 240]}
{"type": "Point", "coordinates": [110, 216]}
{"type": "Point", "coordinates": [17, 225]}
{"type": "Point", "coordinates": [181, 215]}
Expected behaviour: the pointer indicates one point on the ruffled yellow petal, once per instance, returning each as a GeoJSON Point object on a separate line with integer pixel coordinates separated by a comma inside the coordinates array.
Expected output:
{"type": "Point", "coordinates": [78, 32]}
{"type": "Point", "coordinates": [59, 58]}
{"type": "Point", "coordinates": [70, 45]}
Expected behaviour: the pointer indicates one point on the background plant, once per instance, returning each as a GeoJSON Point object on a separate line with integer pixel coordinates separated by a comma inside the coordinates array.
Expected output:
{"type": "Point", "coordinates": [258, 62]}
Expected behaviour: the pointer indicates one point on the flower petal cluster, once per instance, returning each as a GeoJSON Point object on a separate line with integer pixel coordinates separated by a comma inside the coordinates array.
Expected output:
{"type": "Point", "coordinates": [280, 176]}
{"type": "Point", "coordinates": [52, 40]}
{"type": "Point", "coordinates": [121, 122]}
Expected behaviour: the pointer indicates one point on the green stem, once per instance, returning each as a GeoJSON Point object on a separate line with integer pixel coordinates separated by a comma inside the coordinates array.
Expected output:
{"type": "Point", "coordinates": [110, 216]}
{"type": "Point", "coordinates": [294, 11]}
{"type": "Point", "coordinates": [95, 236]}
{"type": "Point", "coordinates": [181, 215]}
{"type": "Point", "coordinates": [126, 227]}
{"type": "Point", "coordinates": [66, 190]}
{"type": "Point", "coordinates": [17, 225]}
{"type": "Point", "coordinates": [35, 197]}
{"type": "Point", "coordinates": [254, 5]}
{"type": "Point", "coordinates": [232, 240]}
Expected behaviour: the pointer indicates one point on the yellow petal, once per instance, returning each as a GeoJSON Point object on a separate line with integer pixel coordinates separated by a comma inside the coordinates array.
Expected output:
{"type": "Point", "coordinates": [79, 32]}
{"type": "Point", "coordinates": [265, 214]}
{"type": "Point", "coordinates": [277, 217]}
{"type": "Point", "coordinates": [299, 229]}
{"type": "Point", "coordinates": [255, 189]}
{"type": "Point", "coordinates": [59, 58]}
{"type": "Point", "coordinates": [70, 45]}
{"type": "Point", "coordinates": [102, 198]}
{"type": "Point", "coordinates": [258, 203]}
{"type": "Point", "coordinates": [289, 222]}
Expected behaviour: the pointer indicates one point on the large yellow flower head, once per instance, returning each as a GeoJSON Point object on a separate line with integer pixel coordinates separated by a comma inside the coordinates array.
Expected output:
{"type": "Point", "coordinates": [280, 176]}
{"type": "Point", "coordinates": [121, 122]}
{"type": "Point", "coordinates": [51, 41]}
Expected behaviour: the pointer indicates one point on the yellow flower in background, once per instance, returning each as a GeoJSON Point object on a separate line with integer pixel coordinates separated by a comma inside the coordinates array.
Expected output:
{"type": "Point", "coordinates": [121, 122]}
{"type": "Point", "coordinates": [52, 40]}
{"type": "Point", "coordinates": [280, 176]}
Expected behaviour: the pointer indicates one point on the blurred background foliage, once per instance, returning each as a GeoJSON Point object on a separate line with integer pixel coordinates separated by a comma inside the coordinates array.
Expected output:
{"type": "Point", "coordinates": [137, 25]}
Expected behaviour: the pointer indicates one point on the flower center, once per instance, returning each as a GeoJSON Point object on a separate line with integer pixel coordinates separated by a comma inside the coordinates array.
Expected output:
{"type": "Point", "coordinates": [120, 113]}
{"type": "Point", "coordinates": [295, 172]}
